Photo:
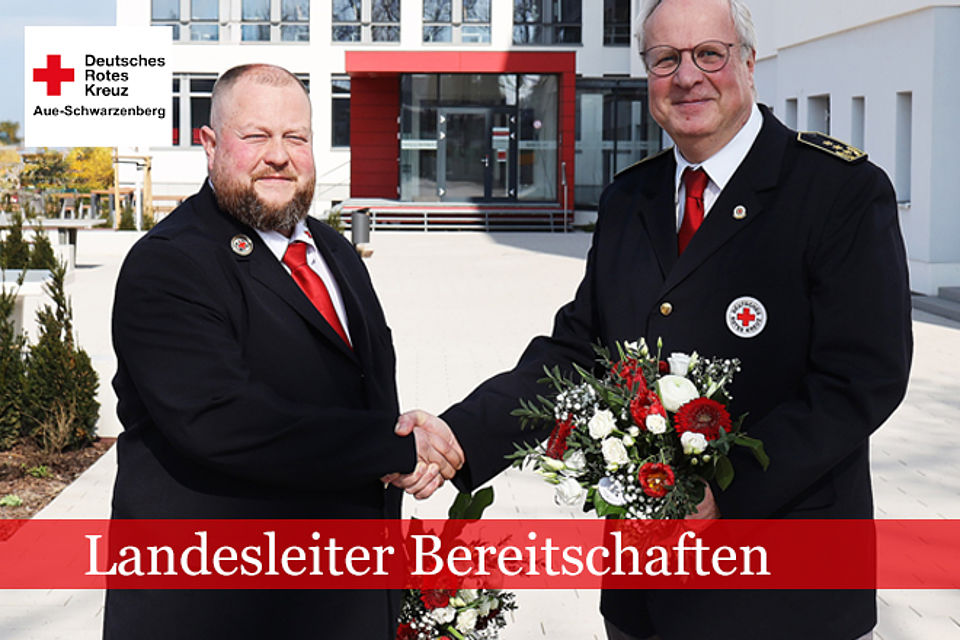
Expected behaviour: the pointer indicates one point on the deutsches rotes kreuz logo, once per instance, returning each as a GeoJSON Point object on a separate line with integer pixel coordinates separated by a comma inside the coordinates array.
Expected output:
{"type": "Point", "coordinates": [746, 317]}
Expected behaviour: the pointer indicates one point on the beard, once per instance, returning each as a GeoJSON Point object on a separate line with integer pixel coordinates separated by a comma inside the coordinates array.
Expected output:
{"type": "Point", "coordinates": [242, 202]}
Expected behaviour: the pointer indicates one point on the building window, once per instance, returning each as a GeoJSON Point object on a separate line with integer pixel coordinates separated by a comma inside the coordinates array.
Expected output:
{"type": "Point", "coordinates": [790, 115]}
{"type": "Point", "coordinates": [903, 166]}
{"type": "Point", "coordinates": [547, 21]}
{"type": "Point", "coordinates": [818, 114]}
{"type": "Point", "coordinates": [857, 122]}
{"type": "Point", "coordinates": [204, 20]}
{"type": "Point", "coordinates": [191, 105]}
{"type": "Point", "coordinates": [340, 111]}
{"type": "Point", "coordinates": [616, 23]}
{"type": "Point", "coordinates": [366, 20]}
{"type": "Point", "coordinates": [613, 131]}
{"type": "Point", "coordinates": [275, 20]}
{"type": "Point", "coordinates": [166, 13]}
{"type": "Point", "coordinates": [456, 21]}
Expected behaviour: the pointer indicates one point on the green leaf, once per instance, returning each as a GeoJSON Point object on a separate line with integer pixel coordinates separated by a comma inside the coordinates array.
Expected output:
{"type": "Point", "coordinates": [756, 446]}
{"type": "Point", "coordinates": [10, 500]}
{"type": "Point", "coordinates": [724, 475]}
{"type": "Point", "coordinates": [471, 507]}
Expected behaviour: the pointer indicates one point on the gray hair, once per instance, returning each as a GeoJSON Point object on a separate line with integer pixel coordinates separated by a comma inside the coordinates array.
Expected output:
{"type": "Point", "coordinates": [267, 74]}
{"type": "Point", "coordinates": [739, 12]}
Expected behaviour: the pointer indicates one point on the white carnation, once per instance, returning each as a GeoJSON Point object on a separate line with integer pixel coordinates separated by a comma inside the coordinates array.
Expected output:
{"type": "Point", "coordinates": [656, 423]}
{"type": "Point", "coordinates": [676, 391]}
{"type": "Point", "coordinates": [693, 443]}
{"type": "Point", "coordinates": [614, 453]}
{"type": "Point", "coordinates": [601, 424]}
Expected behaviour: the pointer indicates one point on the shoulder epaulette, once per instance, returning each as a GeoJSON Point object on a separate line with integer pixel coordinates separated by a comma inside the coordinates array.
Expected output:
{"type": "Point", "coordinates": [640, 162]}
{"type": "Point", "coordinates": [830, 145]}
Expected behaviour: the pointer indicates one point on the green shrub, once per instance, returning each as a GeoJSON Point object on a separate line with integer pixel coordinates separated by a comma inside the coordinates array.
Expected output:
{"type": "Point", "coordinates": [127, 221]}
{"type": "Point", "coordinates": [14, 251]}
{"type": "Point", "coordinates": [12, 344]}
{"type": "Point", "coordinates": [41, 255]}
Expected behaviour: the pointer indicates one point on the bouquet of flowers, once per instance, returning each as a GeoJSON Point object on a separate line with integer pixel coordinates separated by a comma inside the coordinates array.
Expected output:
{"type": "Point", "coordinates": [640, 440]}
{"type": "Point", "coordinates": [461, 614]}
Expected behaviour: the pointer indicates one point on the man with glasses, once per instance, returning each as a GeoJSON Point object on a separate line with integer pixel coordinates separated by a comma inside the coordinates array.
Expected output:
{"type": "Point", "coordinates": [745, 240]}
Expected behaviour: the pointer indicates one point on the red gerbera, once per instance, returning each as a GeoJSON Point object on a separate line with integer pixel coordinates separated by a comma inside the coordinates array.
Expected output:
{"type": "Point", "coordinates": [436, 598]}
{"type": "Point", "coordinates": [630, 371]}
{"type": "Point", "coordinates": [702, 415]}
{"type": "Point", "coordinates": [646, 403]}
{"type": "Point", "coordinates": [656, 479]}
{"type": "Point", "coordinates": [406, 632]}
{"type": "Point", "coordinates": [557, 444]}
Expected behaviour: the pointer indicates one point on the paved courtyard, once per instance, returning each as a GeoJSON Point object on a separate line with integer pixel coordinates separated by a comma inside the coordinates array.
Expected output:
{"type": "Point", "coordinates": [462, 307]}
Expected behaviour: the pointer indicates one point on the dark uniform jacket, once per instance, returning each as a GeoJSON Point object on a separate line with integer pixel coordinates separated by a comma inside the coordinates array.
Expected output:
{"type": "Point", "coordinates": [820, 248]}
{"type": "Point", "coordinates": [238, 400]}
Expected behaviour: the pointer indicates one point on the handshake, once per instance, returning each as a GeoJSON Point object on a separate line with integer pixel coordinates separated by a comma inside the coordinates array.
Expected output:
{"type": "Point", "coordinates": [439, 455]}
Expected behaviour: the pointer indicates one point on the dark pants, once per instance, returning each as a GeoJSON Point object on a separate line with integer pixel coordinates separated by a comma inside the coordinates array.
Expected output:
{"type": "Point", "coordinates": [614, 633]}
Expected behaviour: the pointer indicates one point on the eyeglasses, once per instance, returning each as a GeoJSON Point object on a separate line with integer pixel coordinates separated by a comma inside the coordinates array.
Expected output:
{"type": "Point", "coordinates": [709, 56]}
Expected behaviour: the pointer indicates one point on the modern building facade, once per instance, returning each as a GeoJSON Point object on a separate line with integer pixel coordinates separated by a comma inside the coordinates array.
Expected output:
{"type": "Point", "coordinates": [541, 102]}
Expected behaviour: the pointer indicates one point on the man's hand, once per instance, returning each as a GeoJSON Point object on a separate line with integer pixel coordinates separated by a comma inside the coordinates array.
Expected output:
{"type": "Point", "coordinates": [707, 509]}
{"type": "Point", "coordinates": [438, 452]}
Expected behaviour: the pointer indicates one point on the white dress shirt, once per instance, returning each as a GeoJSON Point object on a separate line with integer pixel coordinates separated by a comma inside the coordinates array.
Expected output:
{"type": "Point", "coordinates": [277, 243]}
{"type": "Point", "coordinates": [719, 167]}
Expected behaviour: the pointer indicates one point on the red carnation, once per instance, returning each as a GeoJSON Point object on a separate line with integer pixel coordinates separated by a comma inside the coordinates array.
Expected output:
{"type": "Point", "coordinates": [646, 403]}
{"type": "Point", "coordinates": [630, 371]}
{"type": "Point", "coordinates": [702, 415]}
{"type": "Point", "coordinates": [437, 598]}
{"type": "Point", "coordinates": [656, 479]}
{"type": "Point", "coordinates": [557, 444]}
{"type": "Point", "coordinates": [406, 632]}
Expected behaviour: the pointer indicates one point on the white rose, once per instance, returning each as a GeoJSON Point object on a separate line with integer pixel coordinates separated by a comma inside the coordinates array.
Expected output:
{"type": "Point", "coordinates": [656, 424]}
{"type": "Point", "coordinates": [467, 595]}
{"type": "Point", "coordinates": [634, 431]}
{"type": "Point", "coordinates": [627, 440]}
{"type": "Point", "coordinates": [601, 424]}
{"type": "Point", "coordinates": [679, 363]}
{"type": "Point", "coordinates": [614, 453]}
{"type": "Point", "coordinates": [443, 615]}
{"type": "Point", "coordinates": [467, 620]}
{"type": "Point", "coordinates": [575, 462]}
{"type": "Point", "coordinates": [485, 606]}
{"type": "Point", "coordinates": [568, 493]}
{"type": "Point", "coordinates": [693, 443]}
{"type": "Point", "coordinates": [676, 391]}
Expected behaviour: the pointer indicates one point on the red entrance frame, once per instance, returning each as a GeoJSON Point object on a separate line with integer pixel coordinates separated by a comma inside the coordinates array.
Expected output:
{"type": "Point", "coordinates": [375, 107]}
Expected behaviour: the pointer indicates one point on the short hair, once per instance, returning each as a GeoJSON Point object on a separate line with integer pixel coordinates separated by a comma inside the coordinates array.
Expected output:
{"type": "Point", "coordinates": [739, 12]}
{"type": "Point", "coordinates": [267, 74]}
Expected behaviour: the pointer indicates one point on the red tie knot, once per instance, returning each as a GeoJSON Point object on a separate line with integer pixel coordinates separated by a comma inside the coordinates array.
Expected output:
{"type": "Point", "coordinates": [296, 255]}
{"type": "Point", "coordinates": [695, 181]}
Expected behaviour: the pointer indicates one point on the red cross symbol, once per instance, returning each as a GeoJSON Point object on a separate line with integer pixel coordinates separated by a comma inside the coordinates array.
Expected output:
{"type": "Point", "coordinates": [53, 75]}
{"type": "Point", "coordinates": [746, 316]}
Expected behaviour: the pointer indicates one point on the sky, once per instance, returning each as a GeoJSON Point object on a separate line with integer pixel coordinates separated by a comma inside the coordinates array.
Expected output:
{"type": "Point", "coordinates": [15, 15]}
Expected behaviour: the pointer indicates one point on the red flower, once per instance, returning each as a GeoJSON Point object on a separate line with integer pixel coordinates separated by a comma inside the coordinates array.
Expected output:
{"type": "Point", "coordinates": [656, 479]}
{"type": "Point", "coordinates": [406, 632]}
{"type": "Point", "coordinates": [630, 371]}
{"type": "Point", "coordinates": [437, 598]}
{"type": "Point", "coordinates": [557, 444]}
{"type": "Point", "coordinates": [702, 415]}
{"type": "Point", "coordinates": [664, 367]}
{"type": "Point", "coordinates": [646, 403]}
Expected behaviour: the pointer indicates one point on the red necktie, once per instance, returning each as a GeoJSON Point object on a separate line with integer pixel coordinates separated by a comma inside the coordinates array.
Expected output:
{"type": "Point", "coordinates": [312, 285]}
{"type": "Point", "coordinates": [695, 181]}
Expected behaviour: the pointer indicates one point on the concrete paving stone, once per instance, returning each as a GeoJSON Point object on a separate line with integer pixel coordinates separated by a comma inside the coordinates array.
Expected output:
{"type": "Point", "coordinates": [462, 307]}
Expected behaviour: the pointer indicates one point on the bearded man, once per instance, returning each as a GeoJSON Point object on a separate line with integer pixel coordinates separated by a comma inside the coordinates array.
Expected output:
{"type": "Point", "coordinates": [256, 375]}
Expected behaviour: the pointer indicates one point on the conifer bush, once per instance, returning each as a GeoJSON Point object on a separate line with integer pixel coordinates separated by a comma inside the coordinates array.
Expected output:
{"type": "Point", "coordinates": [12, 345]}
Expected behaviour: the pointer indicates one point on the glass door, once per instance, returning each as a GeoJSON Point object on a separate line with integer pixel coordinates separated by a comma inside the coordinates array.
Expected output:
{"type": "Point", "coordinates": [464, 154]}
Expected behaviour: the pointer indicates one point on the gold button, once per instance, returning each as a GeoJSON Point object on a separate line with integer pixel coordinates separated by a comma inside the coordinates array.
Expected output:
{"type": "Point", "coordinates": [666, 309]}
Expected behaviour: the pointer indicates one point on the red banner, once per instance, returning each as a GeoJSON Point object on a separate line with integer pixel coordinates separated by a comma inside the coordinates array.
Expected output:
{"type": "Point", "coordinates": [512, 554]}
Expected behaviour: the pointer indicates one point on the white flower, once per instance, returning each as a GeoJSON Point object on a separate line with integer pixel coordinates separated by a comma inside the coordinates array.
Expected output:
{"type": "Point", "coordinates": [614, 453]}
{"type": "Point", "coordinates": [467, 595]}
{"type": "Point", "coordinates": [601, 424]}
{"type": "Point", "coordinates": [693, 443]}
{"type": "Point", "coordinates": [634, 431]}
{"type": "Point", "coordinates": [569, 493]}
{"type": "Point", "coordinates": [627, 440]}
{"type": "Point", "coordinates": [637, 347]}
{"type": "Point", "coordinates": [467, 620]}
{"type": "Point", "coordinates": [552, 464]}
{"type": "Point", "coordinates": [485, 606]}
{"type": "Point", "coordinates": [611, 490]}
{"type": "Point", "coordinates": [676, 391]}
{"type": "Point", "coordinates": [679, 363]}
{"type": "Point", "coordinates": [443, 615]}
{"type": "Point", "coordinates": [575, 462]}
{"type": "Point", "coordinates": [656, 424]}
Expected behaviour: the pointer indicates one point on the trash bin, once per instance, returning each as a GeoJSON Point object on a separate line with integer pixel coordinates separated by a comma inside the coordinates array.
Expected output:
{"type": "Point", "coordinates": [360, 227]}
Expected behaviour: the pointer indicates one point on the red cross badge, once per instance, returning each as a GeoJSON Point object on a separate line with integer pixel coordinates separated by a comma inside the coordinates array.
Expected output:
{"type": "Point", "coordinates": [241, 245]}
{"type": "Point", "coordinates": [746, 317]}
{"type": "Point", "coordinates": [53, 74]}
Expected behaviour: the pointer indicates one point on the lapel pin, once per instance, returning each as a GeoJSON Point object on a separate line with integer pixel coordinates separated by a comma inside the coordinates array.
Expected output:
{"type": "Point", "coordinates": [241, 245]}
{"type": "Point", "coordinates": [739, 212]}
